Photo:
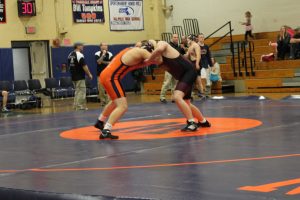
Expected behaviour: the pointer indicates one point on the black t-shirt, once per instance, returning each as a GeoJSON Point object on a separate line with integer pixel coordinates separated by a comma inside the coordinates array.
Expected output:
{"type": "Point", "coordinates": [297, 36]}
{"type": "Point", "coordinates": [76, 63]}
{"type": "Point", "coordinates": [205, 57]}
{"type": "Point", "coordinates": [297, 45]}
{"type": "Point", "coordinates": [108, 57]}
{"type": "Point", "coordinates": [178, 48]}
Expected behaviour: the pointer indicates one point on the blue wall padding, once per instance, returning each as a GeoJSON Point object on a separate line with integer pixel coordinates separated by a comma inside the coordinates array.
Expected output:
{"type": "Point", "coordinates": [6, 65]}
{"type": "Point", "coordinates": [60, 55]}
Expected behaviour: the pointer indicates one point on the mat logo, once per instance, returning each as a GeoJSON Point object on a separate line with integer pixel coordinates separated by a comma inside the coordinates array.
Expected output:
{"type": "Point", "coordinates": [275, 186]}
{"type": "Point", "coordinates": [160, 128]}
{"type": "Point", "coordinates": [126, 10]}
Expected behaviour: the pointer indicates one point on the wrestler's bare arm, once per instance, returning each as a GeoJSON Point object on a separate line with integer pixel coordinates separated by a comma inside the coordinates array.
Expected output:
{"type": "Point", "coordinates": [198, 55]}
{"type": "Point", "coordinates": [161, 48]}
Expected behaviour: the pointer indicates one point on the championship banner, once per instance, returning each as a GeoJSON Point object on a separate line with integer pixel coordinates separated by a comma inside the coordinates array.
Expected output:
{"type": "Point", "coordinates": [2, 12]}
{"type": "Point", "coordinates": [88, 11]}
{"type": "Point", "coordinates": [126, 15]}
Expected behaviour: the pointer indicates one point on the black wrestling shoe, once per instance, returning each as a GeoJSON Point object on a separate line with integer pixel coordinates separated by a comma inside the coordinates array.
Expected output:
{"type": "Point", "coordinates": [163, 101]}
{"type": "Point", "coordinates": [204, 125]}
{"type": "Point", "coordinates": [99, 125]}
{"type": "Point", "coordinates": [190, 127]}
{"type": "Point", "coordinates": [106, 134]}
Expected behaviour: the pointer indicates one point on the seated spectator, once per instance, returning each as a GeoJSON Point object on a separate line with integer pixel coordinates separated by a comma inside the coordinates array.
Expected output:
{"type": "Point", "coordinates": [271, 56]}
{"type": "Point", "coordinates": [283, 42]}
{"type": "Point", "coordinates": [4, 95]}
{"type": "Point", "coordinates": [215, 73]}
{"type": "Point", "coordinates": [295, 45]}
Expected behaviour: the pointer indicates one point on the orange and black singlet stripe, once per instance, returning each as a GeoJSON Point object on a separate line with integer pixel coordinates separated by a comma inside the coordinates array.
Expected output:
{"type": "Point", "coordinates": [111, 76]}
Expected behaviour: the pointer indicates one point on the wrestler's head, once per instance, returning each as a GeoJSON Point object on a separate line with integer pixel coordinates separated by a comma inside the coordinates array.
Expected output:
{"type": "Point", "coordinates": [192, 38]}
{"type": "Point", "coordinates": [149, 45]}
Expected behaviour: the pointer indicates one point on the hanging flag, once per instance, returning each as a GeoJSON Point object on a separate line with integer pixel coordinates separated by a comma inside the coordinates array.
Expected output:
{"type": "Point", "coordinates": [2, 11]}
{"type": "Point", "coordinates": [88, 11]}
{"type": "Point", "coordinates": [126, 15]}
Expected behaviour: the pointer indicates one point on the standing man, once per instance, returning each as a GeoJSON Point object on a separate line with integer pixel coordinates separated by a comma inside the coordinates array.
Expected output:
{"type": "Point", "coordinates": [79, 69]}
{"type": "Point", "coordinates": [194, 55]}
{"type": "Point", "coordinates": [4, 95]}
{"type": "Point", "coordinates": [125, 61]}
{"type": "Point", "coordinates": [184, 45]}
{"type": "Point", "coordinates": [103, 58]}
{"type": "Point", "coordinates": [169, 81]}
{"type": "Point", "coordinates": [184, 71]}
{"type": "Point", "coordinates": [205, 64]}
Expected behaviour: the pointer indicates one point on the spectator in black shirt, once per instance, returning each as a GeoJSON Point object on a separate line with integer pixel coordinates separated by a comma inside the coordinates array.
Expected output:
{"type": "Point", "coordinates": [295, 45]}
{"type": "Point", "coordinates": [79, 69]}
{"type": "Point", "coordinates": [184, 45]}
{"type": "Point", "coordinates": [103, 58]}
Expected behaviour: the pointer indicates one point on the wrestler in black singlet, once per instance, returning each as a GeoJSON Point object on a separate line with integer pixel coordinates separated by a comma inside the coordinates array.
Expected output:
{"type": "Point", "coordinates": [183, 71]}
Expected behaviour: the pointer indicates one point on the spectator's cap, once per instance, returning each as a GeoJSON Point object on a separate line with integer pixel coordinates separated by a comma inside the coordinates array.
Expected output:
{"type": "Point", "coordinates": [77, 44]}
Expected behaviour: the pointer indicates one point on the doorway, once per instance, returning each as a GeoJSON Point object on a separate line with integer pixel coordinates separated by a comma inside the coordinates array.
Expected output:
{"type": "Point", "coordinates": [31, 60]}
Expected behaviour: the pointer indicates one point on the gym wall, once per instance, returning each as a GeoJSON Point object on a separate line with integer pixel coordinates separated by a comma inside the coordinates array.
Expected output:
{"type": "Point", "coordinates": [55, 14]}
{"type": "Point", "coordinates": [268, 15]}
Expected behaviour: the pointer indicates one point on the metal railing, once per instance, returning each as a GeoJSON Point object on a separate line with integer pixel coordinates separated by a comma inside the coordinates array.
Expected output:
{"type": "Point", "coordinates": [191, 26]}
{"type": "Point", "coordinates": [244, 50]}
{"type": "Point", "coordinates": [166, 36]}
{"type": "Point", "coordinates": [227, 25]}
{"type": "Point", "coordinates": [245, 56]}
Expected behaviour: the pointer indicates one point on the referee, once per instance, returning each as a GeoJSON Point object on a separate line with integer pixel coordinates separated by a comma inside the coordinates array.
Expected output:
{"type": "Point", "coordinates": [79, 69]}
{"type": "Point", "coordinates": [103, 58]}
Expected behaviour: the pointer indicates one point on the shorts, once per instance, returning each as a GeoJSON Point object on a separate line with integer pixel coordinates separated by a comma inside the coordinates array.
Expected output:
{"type": "Point", "coordinates": [204, 73]}
{"type": "Point", "coordinates": [186, 82]}
{"type": "Point", "coordinates": [112, 75]}
{"type": "Point", "coordinates": [112, 86]}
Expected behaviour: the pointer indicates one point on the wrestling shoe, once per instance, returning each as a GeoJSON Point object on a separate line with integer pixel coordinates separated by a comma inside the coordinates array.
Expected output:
{"type": "Point", "coordinates": [106, 134]}
{"type": "Point", "coordinates": [204, 125]}
{"type": "Point", "coordinates": [190, 127]}
{"type": "Point", "coordinates": [99, 125]}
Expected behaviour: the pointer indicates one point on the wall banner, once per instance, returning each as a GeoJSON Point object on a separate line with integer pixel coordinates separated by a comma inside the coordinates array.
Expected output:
{"type": "Point", "coordinates": [88, 11]}
{"type": "Point", "coordinates": [2, 12]}
{"type": "Point", "coordinates": [126, 15]}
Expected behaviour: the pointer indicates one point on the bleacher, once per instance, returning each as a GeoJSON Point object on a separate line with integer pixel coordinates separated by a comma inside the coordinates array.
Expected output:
{"type": "Point", "coordinates": [268, 77]}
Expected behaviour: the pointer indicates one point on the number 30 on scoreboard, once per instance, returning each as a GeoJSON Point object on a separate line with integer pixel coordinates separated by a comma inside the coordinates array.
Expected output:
{"type": "Point", "coordinates": [26, 8]}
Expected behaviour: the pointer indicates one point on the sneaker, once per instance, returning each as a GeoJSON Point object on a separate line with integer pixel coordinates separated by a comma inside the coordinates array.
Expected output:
{"type": "Point", "coordinates": [5, 110]}
{"type": "Point", "coordinates": [200, 94]}
{"type": "Point", "coordinates": [163, 101]}
{"type": "Point", "coordinates": [190, 127]}
{"type": "Point", "coordinates": [81, 109]}
{"type": "Point", "coordinates": [99, 125]}
{"type": "Point", "coordinates": [106, 134]}
{"type": "Point", "coordinates": [204, 125]}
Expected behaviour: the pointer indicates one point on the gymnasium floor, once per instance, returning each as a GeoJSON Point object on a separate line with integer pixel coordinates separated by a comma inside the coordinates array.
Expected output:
{"type": "Point", "coordinates": [251, 152]}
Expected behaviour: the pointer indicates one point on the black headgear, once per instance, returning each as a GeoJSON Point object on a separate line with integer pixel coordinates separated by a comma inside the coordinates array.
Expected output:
{"type": "Point", "coordinates": [192, 37]}
{"type": "Point", "coordinates": [147, 45]}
